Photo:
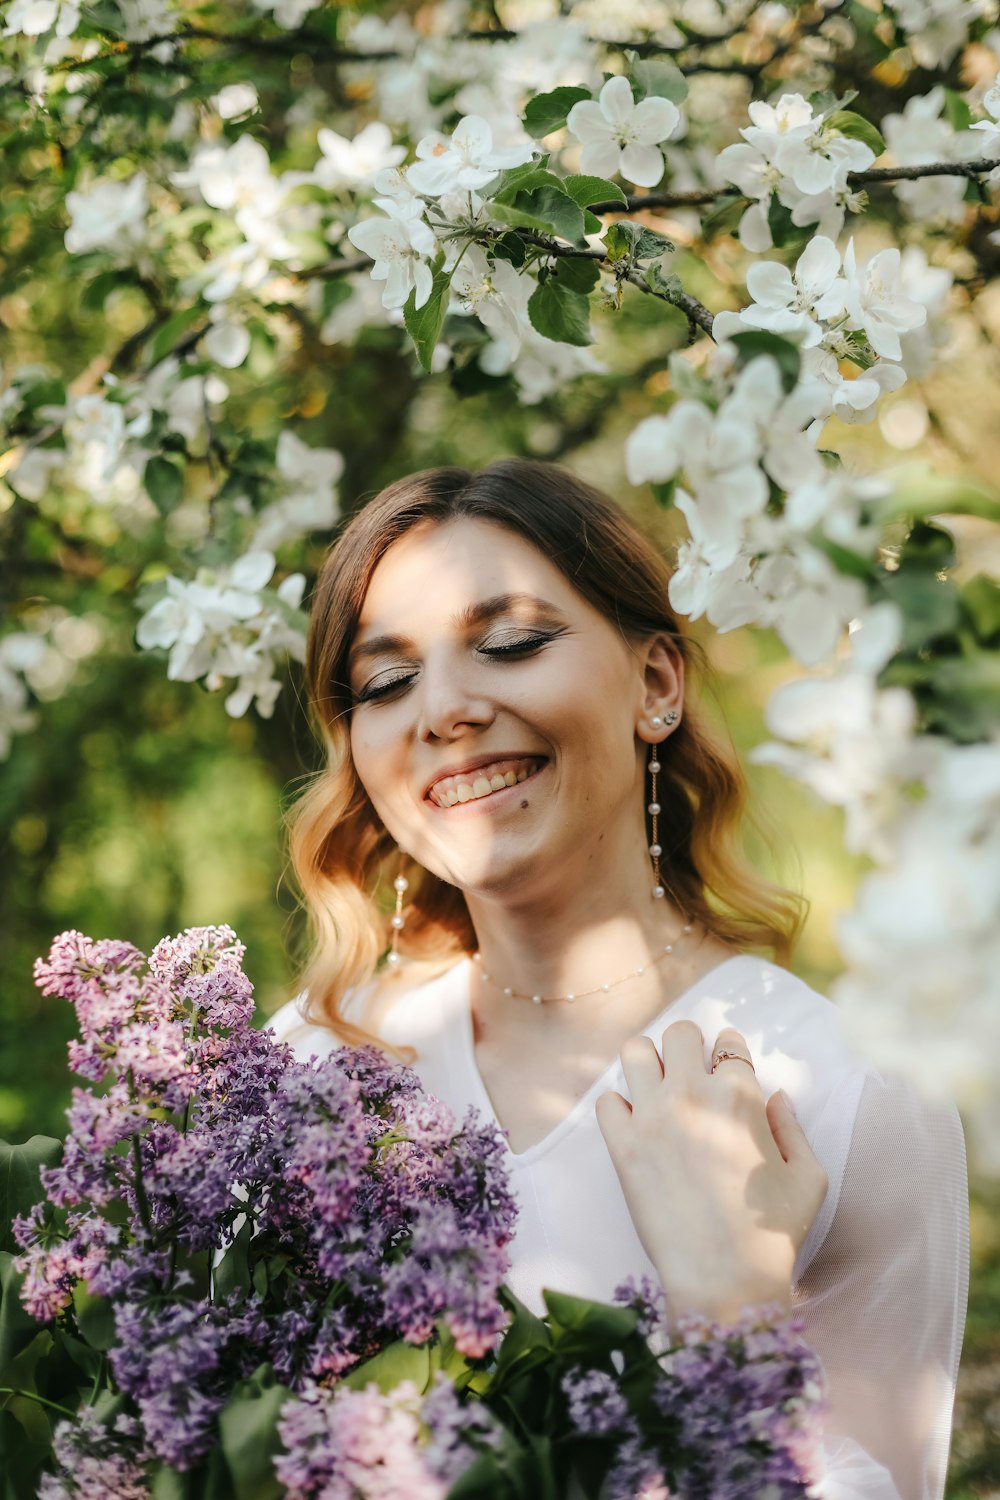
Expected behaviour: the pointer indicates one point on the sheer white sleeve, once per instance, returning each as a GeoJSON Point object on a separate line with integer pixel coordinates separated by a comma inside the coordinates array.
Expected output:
{"type": "Point", "coordinates": [884, 1298]}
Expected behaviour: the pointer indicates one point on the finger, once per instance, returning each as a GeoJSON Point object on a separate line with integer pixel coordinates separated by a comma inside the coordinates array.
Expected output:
{"type": "Point", "coordinates": [642, 1068]}
{"type": "Point", "coordinates": [734, 1069]}
{"type": "Point", "coordinates": [613, 1116]}
{"type": "Point", "coordinates": [683, 1051]}
{"type": "Point", "coordinates": [791, 1141]}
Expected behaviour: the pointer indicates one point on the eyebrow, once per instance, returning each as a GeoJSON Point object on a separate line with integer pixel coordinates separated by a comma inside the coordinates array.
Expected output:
{"type": "Point", "coordinates": [465, 619]}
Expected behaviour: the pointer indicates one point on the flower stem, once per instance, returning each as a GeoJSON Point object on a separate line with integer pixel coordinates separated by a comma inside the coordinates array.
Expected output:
{"type": "Point", "coordinates": [8, 1390]}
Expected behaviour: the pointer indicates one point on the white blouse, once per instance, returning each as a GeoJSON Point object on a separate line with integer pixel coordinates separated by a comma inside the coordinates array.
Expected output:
{"type": "Point", "coordinates": [882, 1278]}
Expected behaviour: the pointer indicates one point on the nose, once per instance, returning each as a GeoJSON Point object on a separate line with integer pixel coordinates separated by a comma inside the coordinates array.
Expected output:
{"type": "Point", "coordinates": [448, 703]}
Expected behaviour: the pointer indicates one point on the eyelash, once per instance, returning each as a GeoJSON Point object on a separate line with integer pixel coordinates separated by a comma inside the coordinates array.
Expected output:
{"type": "Point", "coordinates": [521, 647]}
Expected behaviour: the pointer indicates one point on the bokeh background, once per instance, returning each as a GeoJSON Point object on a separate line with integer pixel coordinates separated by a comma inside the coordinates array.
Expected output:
{"type": "Point", "coordinates": [137, 807]}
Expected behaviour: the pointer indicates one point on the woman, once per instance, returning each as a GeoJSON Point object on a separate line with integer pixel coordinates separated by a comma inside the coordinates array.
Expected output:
{"type": "Point", "coordinates": [507, 703]}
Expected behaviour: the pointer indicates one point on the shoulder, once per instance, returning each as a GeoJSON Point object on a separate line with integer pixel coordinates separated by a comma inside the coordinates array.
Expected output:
{"type": "Point", "coordinates": [372, 1006]}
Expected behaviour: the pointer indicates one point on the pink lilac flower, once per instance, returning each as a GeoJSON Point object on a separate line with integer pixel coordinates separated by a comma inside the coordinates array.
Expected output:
{"type": "Point", "coordinates": [343, 1444]}
{"type": "Point", "coordinates": [95, 1462]}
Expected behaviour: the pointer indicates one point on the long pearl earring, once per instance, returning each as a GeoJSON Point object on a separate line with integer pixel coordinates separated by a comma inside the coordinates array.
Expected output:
{"type": "Point", "coordinates": [653, 808]}
{"type": "Point", "coordinates": [396, 923]}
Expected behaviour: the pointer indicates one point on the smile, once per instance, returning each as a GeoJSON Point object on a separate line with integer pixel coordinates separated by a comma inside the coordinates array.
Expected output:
{"type": "Point", "coordinates": [484, 781]}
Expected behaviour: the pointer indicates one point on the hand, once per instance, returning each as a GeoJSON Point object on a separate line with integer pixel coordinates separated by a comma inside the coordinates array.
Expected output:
{"type": "Point", "coordinates": [722, 1188]}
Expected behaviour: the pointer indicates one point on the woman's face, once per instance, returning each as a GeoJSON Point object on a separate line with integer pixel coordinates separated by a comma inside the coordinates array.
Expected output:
{"type": "Point", "coordinates": [495, 717]}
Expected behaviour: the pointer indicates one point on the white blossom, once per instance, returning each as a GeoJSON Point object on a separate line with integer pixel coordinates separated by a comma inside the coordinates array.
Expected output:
{"type": "Point", "coordinates": [107, 215]}
{"type": "Point", "coordinates": [619, 135]}
{"type": "Point", "coordinates": [919, 136]}
{"type": "Point", "coordinates": [289, 14]}
{"type": "Point", "coordinates": [351, 163]}
{"type": "Point", "coordinates": [936, 29]}
{"type": "Point", "coordinates": [466, 159]}
{"type": "Point", "coordinates": [309, 477]}
{"type": "Point", "coordinates": [35, 17]}
{"type": "Point", "coordinates": [491, 293]}
{"type": "Point", "coordinates": [793, 304]}
{"type": "Point", "coordinates": [875, 302]}
{"type": "Point", "coordinates": [236, 101]}
{"type": "Point", "coordinates": [141, 20]}
{"type": "Point", "coordinates": [399, 245]}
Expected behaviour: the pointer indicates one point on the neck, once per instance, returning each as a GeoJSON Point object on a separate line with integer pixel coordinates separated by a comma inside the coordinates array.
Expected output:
{"type": "Point", "coordinates": [577, 942]}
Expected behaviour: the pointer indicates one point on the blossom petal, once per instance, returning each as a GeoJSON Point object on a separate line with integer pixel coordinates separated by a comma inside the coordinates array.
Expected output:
{"type": "Point", "coordinates": [586, 121]}
{"type": "Point", "coordinates": [770, 284]}
{"type": "Point", "coordinates": [642, 165]}
{"type": "Point", "coordinates": [617, 101]}
{"type": "Point", "coordinates": [654, 120]}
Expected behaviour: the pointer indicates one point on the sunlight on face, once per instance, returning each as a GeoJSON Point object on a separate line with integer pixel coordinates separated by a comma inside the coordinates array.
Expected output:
{"type": "Point", "coordinates": [495, 712]}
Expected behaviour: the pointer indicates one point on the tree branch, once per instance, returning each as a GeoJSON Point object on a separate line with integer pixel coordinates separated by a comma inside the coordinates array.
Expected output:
{"type": "Point", "coordinates": [696, 197]}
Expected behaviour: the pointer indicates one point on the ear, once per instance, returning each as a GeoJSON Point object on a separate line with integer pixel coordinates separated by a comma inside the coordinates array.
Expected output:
{"type": "Point", "coordinates": [662, 690]}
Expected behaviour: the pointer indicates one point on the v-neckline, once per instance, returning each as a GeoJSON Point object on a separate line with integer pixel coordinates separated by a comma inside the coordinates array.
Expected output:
{"type": "Point", "coordinates": [463, 998]}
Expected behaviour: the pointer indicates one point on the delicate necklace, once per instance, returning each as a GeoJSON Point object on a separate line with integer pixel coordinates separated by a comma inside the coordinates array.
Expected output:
{"type": "Point", "coordinates": [598, 989]}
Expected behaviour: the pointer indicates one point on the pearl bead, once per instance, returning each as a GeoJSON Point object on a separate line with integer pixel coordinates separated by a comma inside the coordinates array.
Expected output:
{"type": "Point", "coordinates": [477, 958]}
{"type": "Point", "coordinates": [656, 721]}
{"type": "Point", "coordinates": [507, 990]}
{"type": "Point", "coordinates": [658, 892]}
{"type": "Point", "coordinates": [653, 809]}
{"type": "Point", "coordinates": [536, 999]}
{"type": "Point", "coordinates": [668, 947]}
{"type": "Point", "coordinates": [393, 960]}
{"type": "Point", "coordinates": [655, 850]}
{"type": "Point", "coordinates": [571, 998]}
{"type": "Point", "coordinates": [687, 927]}
{"type": "Point", "coordinates": [605, 988]}
{"type": "Point", "coordinates": [654, 766]}
{"type": "Point", "coordinates": [640, 970]}
{"type": "Point", "coordinates": [397, 921]}
{"type": "Point", "coordinates": [401, 883]}
{"type": "Point", "coordinates": [486, 977]}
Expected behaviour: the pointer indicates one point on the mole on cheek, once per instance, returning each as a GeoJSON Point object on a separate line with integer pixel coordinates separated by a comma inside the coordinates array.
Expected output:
{"type": "Point", "coordinates": [524, 804]}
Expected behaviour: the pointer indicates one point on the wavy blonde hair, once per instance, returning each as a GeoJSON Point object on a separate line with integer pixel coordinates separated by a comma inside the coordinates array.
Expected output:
{"type": "Point", "coordinates": [340, 850]}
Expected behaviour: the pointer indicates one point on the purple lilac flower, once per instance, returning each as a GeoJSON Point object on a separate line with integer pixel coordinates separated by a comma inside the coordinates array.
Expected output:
{"type": "Point", "coordinates": [596, 1405]}
{"type": "Point", "coordinates": [636, 1474]}
{"type": "Point", "coordinates": [377, 1212]}
{"type": "Point", "coordinates": [747, 1398]}
{"type": "Point", "coordinates": [647, 1298]}
{"type": "Point", "coordinates": [95, 1462]}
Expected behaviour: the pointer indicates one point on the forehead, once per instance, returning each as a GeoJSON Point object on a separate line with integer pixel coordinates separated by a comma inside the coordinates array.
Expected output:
{"type": "Point", "coordinates": [438, 568]}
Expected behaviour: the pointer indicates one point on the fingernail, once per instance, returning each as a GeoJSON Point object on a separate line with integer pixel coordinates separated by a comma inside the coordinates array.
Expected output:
{"type": "Point", "coordinates": [788, 1101]}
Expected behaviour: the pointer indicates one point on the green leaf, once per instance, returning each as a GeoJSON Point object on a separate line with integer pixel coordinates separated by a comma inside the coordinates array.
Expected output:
{"type": "Point", "coordinates": [525, 1333]}
{"type": "Point", "coordinates": [664, 492]}
{"type": "Point", "coordinates": [232, 1274]}
{"type": "Point", "coordinates": [981, 602]}
{"type": "Point", "coordinates": [587, 190]}
{"type": "Point", "coordinates": [658, 78]}
{"type": "Point", "coordinates": [578, 272]}
{"type": "Point", "coordinates": [956, 110]}
{"type": "Point", "coordinates": [20, 1179]}
{"type": "Point", "coordinates": [172, 331]}
{"type": "Point", "coordinates": [424, 324]}
{"type": "Point", "coordinates": [779, 219]}
{"type": "Point", "coordinates": [554, 209]}
{"type": "Point", "coordinates": [168, 1484]}
{"type": "Point", "coordinates": [858, 129]}
{"type": "Point", "coordinates": [725, 217]}
{"type": "Point", "coordinates": [601, 1322]}
{"type": "Point", "coordinates": [510, 247]}
{"type": "Point", "coordinates": [95, 1317]}
{"type": "Point", "coordinates": [664, 284]}
{"type": "Point", "coordinates": [757, 341]}
{"type": "Point", "coordinates": [918, 491]}
{"type": "Point", "coordinates": [248, 1429]}
{"type": "Point", "coordinates": [164, 483]}
{"type": "Point", "coordinates": [525, 182]}
{"type": "Point", "coordinates": [391, 1366]}
{"type": "Point", "coordinates": [621, 238]}
{"type": "Point", "coordinates": [559, 313]}
{"type": "Point", "coordinates": [929, 606]}
{"type": "Point", "coordinates": [547, 112]}
{"type": "Point", "coordinates": [96, 292]}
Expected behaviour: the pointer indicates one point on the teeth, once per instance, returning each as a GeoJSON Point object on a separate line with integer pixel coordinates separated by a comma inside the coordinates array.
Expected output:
{"type": "Point", "coordinates": [482, 785]}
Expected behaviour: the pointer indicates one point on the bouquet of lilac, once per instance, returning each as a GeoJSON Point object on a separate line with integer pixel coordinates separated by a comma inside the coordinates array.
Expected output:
{"type": "Point", "coordinates": [353, 1211]}
{"type": "Point", "coordinates": [252, 1277]}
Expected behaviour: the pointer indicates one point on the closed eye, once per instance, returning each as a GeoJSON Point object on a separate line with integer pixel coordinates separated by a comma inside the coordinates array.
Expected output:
{"type": "Point", "coordinates": [523, 645]}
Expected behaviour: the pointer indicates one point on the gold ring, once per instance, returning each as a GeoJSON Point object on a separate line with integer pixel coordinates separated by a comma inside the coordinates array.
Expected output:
{"type": "Point", "coordinates": [722, 1056]}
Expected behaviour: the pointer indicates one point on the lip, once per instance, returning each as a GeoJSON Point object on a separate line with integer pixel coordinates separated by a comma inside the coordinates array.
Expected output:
{"type": "Point", "coordinates": [460, 768]}
{"type": "Point", "coordinates": [496, 801]}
